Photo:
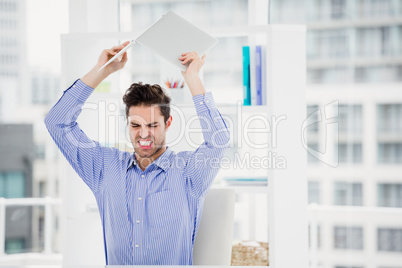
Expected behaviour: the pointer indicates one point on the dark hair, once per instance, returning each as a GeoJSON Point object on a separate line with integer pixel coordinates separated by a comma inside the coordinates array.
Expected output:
{"type": "Point", "coordinates": [139, 94]}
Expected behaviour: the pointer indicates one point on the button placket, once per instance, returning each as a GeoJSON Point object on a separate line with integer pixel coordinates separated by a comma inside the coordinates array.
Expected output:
{"type": "Point", "coordinates": [139, 212]}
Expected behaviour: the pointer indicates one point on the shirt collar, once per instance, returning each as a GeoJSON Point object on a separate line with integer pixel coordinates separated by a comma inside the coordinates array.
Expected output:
{"type": "Point", "coordinates": [163, 161]}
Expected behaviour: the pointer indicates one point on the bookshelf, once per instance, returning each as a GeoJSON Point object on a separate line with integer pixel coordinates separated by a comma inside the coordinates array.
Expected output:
{"type": "Point", "coordinates": [287, 187]}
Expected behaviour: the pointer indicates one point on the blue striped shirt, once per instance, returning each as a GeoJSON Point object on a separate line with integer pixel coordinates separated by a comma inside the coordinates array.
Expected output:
{"type": "Point", "coordinates": [149, 217]}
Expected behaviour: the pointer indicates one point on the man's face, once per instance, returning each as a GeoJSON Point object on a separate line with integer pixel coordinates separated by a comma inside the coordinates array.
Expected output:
{"type": "Point", "coordinates": [147, 130]}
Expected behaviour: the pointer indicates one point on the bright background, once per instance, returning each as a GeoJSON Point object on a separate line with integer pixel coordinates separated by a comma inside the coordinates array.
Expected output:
{"type": "Point", "coordinates": [354, 57]}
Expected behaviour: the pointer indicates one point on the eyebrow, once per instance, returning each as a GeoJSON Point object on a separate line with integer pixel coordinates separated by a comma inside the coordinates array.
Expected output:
{"type": "Point", "coordinates": [153, 123]}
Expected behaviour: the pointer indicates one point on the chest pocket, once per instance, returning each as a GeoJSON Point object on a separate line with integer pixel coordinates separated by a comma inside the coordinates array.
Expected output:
{"type": "Point", "coordinates": [162, 209]}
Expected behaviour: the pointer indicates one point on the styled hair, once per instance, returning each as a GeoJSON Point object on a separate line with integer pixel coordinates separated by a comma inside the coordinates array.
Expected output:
{"type": "Point", "coordinates": [145, 94]}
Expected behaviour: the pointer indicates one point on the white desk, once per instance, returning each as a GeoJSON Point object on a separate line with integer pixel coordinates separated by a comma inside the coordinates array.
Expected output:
{"type": "Point", "coordinates": [128, 266]}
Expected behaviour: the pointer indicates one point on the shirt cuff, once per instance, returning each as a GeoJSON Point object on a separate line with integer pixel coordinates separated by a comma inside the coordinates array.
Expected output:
{"type": "Point", "coordinates": [204, 103]}
{"type": "Point", "coordinates": [80, 90]}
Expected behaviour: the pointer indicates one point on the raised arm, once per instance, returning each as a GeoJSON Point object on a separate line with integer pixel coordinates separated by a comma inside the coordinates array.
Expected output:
{"type": "Point", "coordinates": [203, 164]}
{"type": "Point", "coordinates": [94, 77]}
{"type": "Point", "coordinates": [191, 75]}
{"type": "Point", "coordinates": [85, 155]}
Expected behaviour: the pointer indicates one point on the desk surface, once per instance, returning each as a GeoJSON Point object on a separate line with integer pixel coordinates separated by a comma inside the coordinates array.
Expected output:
{"type": "Point", "coordinates": [125, 266]}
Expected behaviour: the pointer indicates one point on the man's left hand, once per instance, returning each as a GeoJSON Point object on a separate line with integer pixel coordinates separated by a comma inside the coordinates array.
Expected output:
{"type": "Point", "coordinates": [195, 61]}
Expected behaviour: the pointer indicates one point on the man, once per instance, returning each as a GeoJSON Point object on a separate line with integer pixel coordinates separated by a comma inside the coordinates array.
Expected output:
{"type": "Point", "coordinates": [150, 202]}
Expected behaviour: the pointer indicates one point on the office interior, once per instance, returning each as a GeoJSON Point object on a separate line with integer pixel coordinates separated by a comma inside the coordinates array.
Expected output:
{"type": "Point", "coordinates": [315, 168]}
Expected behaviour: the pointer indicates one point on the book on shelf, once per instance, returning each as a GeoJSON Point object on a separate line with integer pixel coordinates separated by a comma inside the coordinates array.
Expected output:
{"type": "Point", "coordinates": [258, 75]}
{"type": "Point", "coordinates": [254, 75]}
{"type": "Point", "coordinates": [263, 75]}
{"type": "Point", "coordinates": [253, 82]}
{"type": "Point", "coordinates": [246, 76]}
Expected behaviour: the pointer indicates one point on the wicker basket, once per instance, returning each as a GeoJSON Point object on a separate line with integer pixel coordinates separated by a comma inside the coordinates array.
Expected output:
{"type": "Point", "coordinates": [250, 253]}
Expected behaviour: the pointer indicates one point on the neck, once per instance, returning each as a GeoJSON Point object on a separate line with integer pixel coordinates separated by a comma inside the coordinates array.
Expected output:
{"type": "Point", "coordinates": [144, 162]}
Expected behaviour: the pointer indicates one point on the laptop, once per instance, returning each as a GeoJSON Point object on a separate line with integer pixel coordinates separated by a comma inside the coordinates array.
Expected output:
{"type": "Point", "coordinates": [171, 36]}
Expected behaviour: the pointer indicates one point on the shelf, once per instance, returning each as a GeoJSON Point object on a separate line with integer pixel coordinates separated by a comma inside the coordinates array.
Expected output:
{"type": "Point", "coordinates": [244, 189]}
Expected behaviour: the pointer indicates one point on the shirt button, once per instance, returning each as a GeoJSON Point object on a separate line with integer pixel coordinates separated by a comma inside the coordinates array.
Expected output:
{"type": "Point", "coordinates": [136, 245]}
{"type": "Point", "coordinates": [140, 198]}
{"type": "Point", "coordinates": [201, 102]}
{"type": "Point", "coordinates": [138, 221]}
{"type": "Point", "coordinates": [143, 176]}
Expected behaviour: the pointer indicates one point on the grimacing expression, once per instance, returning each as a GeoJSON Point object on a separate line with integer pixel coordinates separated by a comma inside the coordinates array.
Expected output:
{"type": "Point", "coordinates": [147, 129]}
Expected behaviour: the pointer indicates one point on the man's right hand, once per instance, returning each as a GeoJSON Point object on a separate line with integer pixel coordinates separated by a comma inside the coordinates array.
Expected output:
{"type": "Point", "coordinates": [94, 77]}
{"type": "Point", "coordinates": [118, 63]}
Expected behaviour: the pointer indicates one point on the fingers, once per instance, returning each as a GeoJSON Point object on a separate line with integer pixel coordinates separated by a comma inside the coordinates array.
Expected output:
{"type": "Point", "coordinates": [124, 58]}
{"type": "Point", "coordinates": [190, 56]}
{"type": "Point", "coordinates": [120, 47]}
{"type": "Point", "coordinates": [185, 60]}
{"type": "Point", "coordinates": [118, 62]}
{"type": "Point", "coordinates": [114, 50]}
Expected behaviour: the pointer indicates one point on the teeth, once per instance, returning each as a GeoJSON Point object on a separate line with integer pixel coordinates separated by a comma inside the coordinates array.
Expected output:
{"type": "Point", "coordinates": [145, 143]}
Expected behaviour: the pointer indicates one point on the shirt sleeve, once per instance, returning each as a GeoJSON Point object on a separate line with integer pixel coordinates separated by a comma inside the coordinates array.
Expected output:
{"type": "Point", "coordinates": [84, 154]}
{"type": "Point", "coordinates": [204, 163]}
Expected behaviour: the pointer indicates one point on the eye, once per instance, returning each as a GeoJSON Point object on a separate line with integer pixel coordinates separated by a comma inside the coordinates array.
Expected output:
{"type": "Point", "coordinates": [153, 126]}
{"type": "Point", "coordinates": [134, 126]}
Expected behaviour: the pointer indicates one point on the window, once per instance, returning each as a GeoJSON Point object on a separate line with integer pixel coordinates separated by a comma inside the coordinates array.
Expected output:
{"type": "Point", "coordinates": [389, 195]}
{"type": "Point", "coordinates": [389, 153]}
{"type": "Point", "coordinates": [336, 75]}
{"type": "Point", "coordinates": [389, 239]}
{"type": "Point", "coordinates": [14, 245]}
{"type": "Point", "coordinates": [385, 33]}
{"type": "Point", "coordinates": [346, 237]}
{"type": "Point", "coordinates": [369, 74]}
{"type": "Point", "coordinates": [40, 149]}
{"type": "Point", "coordinates": [368, 42]}
{"type": "Point", "coordinates": [312, 118]}
{"type": "Point", "coordinates": [318, 236]}
{"type": "Point", "coordinates": [42, 189]}
{"type": "Point", "coordinates": [331, 44]}
{"type": "Point", "coordinates": [12, 185]}
{"type": "Point", "coordinates": [44, 88]}
{"type": "Point", "coordinates": [313, 192]}
{"type": "Point", "coordinates": [144, 13]}
{"type": "Point", "coordinates": [350, 118]}
{"type": "Point", "coordinates": [389, 118]}
{"type": "Point", "coordinates": [379, 8]}
{"type": "Point", "coordinates": [348, 194]}
{"type": "Point", "coordinates": [310, 157]}
{"type": "Point", "coordinates": [389, 126]}
{"type": "Point", "coordinates": [350, 152]}
{"type": "Point", "coordinates": [338, 9]}
{"type": "Point", "coordinates": [312, 129]}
